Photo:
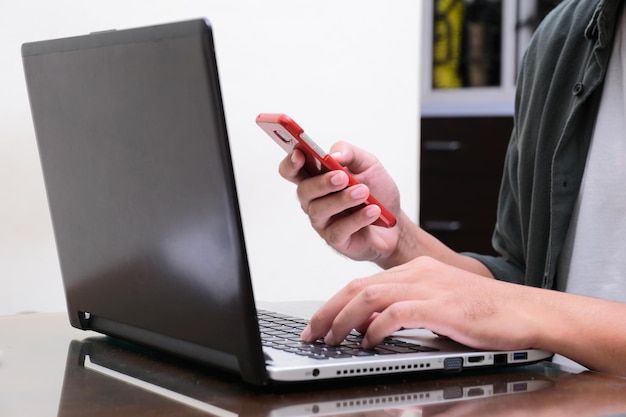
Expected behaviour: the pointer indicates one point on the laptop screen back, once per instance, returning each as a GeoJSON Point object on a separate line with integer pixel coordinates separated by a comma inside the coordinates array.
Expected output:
{"type": "Point", "coordinates": [137, 167]}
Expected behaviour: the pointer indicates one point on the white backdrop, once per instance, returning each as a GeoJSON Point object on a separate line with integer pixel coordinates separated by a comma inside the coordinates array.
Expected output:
{"type": "Point", "coordinates": [343, 69]}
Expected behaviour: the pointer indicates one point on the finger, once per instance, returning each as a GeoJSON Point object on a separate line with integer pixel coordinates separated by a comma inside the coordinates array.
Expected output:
{"type": "Point", "coordinates": [348, 302]}
{"type": "Point", "coordinates": [359, 310]}
{"type": "Point", "coordinates": [407, 313]}
{"type": "Point", "coordinates": [340, 234]}
{"type": "Point", "coordinates": [323, 210]}
{"type": "Point", "coordinates": [355, 159]}
{"type": "Point", "coordinates": [322, 319]}
{"type": "Point", "coordinates": [291, 166]}
{"type": "Point", "coordinates": [363, 327]}
{"type": "Point", "coordinates": [321, 186]}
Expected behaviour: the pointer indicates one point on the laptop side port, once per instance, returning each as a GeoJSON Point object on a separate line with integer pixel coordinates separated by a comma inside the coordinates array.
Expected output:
{"type": "Point", "coordinates": [475, 359]}
{"type": "Point", "coordinates": [453, 364]}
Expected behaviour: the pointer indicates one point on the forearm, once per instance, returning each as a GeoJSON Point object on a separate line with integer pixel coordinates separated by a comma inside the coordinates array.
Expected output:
{"type": "Point", "coordinates": [414, 241]}
{"type": "Point", "coordinates": [589, 331]}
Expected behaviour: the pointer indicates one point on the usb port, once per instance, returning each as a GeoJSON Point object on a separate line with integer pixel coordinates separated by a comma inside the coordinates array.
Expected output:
{"type": "Point", "coordinates": [520, 356]}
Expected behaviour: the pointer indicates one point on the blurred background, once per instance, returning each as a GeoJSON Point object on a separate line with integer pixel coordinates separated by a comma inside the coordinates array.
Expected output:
{"type": "Point", "coordinates": [344, 70]}
{"type": "Point", "coordinates": [428, 86]}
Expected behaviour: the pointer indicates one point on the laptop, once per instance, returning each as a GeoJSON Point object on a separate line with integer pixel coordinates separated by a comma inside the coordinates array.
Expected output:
{"type": "Point", "coordinates": [135, 154]}
{"type": "Point", "coordinates": [99, 369]}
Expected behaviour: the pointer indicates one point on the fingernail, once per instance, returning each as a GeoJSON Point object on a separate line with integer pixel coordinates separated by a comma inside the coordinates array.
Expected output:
{"type": "Point", "coordinates": [338, 179]}
{"type": "Point", "coordinates": [365, 344]}
{"type": "Point", "coordinates": [329, 338]}
{"type": "Point", "coordinates": [359, 193]}
{"type": "Point", "coordinates": [306, 334]}
{"type": "Point", "coordinates": [371, 211]}
{"type": "Point", "coordinates": [293, 158]}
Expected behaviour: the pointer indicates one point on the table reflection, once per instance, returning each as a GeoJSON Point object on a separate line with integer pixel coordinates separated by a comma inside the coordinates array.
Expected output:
{"type": "Point", "coordinates": [112, 377]}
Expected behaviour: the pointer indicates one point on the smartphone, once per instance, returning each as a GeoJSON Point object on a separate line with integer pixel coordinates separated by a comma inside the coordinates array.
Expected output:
{"type": "Point", "coordinates": [289, 135]}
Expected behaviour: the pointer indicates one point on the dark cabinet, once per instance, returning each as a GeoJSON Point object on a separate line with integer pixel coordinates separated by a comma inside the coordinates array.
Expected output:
{"type": "Point", "coordinates": [460, 172]}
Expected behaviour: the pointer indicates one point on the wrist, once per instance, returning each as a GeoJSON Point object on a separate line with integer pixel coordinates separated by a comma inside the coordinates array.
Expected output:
{"type": "Point", "coordinates": [406, 248]}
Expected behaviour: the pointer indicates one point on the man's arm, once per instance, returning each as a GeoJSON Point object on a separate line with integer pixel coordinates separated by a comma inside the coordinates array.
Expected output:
{"type": "Point", "coordinates": [476, 311]}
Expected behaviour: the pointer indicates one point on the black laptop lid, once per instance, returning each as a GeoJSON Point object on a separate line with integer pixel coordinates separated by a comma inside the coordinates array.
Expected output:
{"type": "Point", "coordinates": [137, 167]}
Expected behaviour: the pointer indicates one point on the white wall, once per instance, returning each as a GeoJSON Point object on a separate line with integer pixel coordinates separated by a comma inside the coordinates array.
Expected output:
{"type": "Point", "coordinates": [343, 69]}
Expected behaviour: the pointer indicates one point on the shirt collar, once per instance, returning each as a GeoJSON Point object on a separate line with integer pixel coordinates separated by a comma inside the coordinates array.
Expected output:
{"type": "Point", "coordinates": [602, 23]}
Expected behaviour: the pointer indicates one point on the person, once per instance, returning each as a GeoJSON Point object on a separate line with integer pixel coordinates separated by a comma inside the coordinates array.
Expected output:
{"type": "Point", "coordinates": [561, 226]}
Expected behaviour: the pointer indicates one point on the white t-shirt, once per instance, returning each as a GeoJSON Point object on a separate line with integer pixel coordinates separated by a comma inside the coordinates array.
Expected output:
{"type": "Point", "coordinates": [593, 262]}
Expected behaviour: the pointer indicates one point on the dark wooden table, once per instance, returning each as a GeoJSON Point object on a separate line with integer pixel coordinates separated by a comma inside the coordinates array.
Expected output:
{"type": "Point", "coordinates": [48, 368]}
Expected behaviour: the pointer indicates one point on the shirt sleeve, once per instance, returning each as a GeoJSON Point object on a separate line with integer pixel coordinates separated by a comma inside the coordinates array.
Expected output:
{"type": "Point", "coordinates": [507, 238]}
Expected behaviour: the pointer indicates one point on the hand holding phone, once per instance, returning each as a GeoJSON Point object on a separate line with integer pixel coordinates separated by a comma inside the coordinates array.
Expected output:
{"type": "Point", "coordinates": [289, 135]}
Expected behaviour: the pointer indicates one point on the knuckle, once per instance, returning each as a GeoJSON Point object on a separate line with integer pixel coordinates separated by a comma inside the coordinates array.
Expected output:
{"type": "Point", "coordinates": [302, 196]}
{"type": "Point", "coordinates": [399, 312]}
{"type": "Point", "coordinates": [284, 171]}
{"type": "Point", "coordinates": [355, 287]}
{"type": "Point", "coordinates": [334, 236]}
{"type": "Point", "coordinates": [313, 210]}
{"type": "Point", "coordinates": [289, 171]}
{"type": "Point", "coordinates": [370, 295]}
{"type": "Point", "coordinates": [395, 312]}
{"type": "Point", "coordinates": [318, 222]}
{"type": "Point", "coordinates": [425, 263]}
{"type": "Point", "coordinates": [304, 208]}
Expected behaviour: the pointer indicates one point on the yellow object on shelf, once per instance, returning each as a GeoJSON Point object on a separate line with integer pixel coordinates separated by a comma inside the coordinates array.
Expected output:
{"type": "Point", "coordinates": [447, 37]}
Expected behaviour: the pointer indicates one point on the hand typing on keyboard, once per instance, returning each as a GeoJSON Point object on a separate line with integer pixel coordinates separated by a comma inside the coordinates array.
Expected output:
{"type": "Point", "coordinates": [282, 332]}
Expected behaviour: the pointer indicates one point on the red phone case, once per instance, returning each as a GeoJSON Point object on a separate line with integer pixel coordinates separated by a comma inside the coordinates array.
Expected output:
{"type": "Point", "coordinates": [289, 135]}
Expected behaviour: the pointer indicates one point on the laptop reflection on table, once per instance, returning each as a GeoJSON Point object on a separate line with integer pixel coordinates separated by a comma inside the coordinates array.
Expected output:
{"type": "Point", "coordinates": [106, 375]}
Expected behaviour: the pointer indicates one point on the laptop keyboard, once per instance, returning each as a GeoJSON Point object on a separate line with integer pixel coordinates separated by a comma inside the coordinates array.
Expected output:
{"type": "Point", "coordinates": [280, 331]}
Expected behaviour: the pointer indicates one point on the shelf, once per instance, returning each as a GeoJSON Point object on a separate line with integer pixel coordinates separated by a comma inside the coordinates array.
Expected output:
{"type": "Point", "coordinates": [471, 54]}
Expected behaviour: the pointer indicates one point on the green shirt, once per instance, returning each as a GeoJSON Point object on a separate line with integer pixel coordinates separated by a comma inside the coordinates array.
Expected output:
{"type": "Point", "coordinates": [557, 100]}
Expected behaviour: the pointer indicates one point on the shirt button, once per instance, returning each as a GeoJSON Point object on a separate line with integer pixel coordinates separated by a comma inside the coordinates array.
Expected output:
{"type": "Point", "coordinates": [578, 89]}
